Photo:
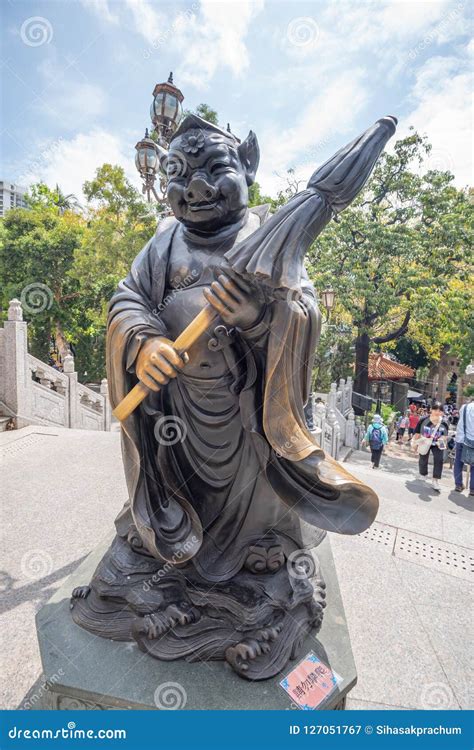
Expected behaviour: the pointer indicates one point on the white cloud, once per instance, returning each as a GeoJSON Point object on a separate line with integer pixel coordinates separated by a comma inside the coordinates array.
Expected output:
{"type": "Point", "coordinates": [321, 129]}
{"type": "Point", "coordinates": [442, 109]}
{"type": "Point", "coordinates": [224, 28]}
{"type": "Point", "coordinates": [149, 22]}
{"type": "Point", "coordinates": [205, 36]}
{"type": "Point", "coordinates": [68, 98]}
{"type": "Point", "coordinates": [102, 9]}
{"type": "Point", "coordinates": [346, 56]}
{"type": "Point", "coordinates": [69, 163]}
{"type": "Point", "coordinates": [402, 19]}
{"type": "Point", "coordinates": [386, 34]}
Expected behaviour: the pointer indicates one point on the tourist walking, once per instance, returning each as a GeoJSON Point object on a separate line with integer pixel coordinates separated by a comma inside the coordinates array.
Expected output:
{"type": "Point", "coordinates": [413, 420]}
{"type": "Point", "coordinates": [431, 437]}
{"type": "Point", "coordinates": [464, 447]}
{"type": "Point", "coordinates": [402, 425]}
{"type": "Point", "coordinates": [376, 436]}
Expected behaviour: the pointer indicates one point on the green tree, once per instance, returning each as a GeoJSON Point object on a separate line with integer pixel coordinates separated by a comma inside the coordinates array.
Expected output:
{"type": "Point", "coordinates": [334, 357]}
{"type": "Point", "coordinates": [206, 112]}
{"type": "Point", "coordinates": [41, 195]}
{"type": "Point", "coordinates": [255, 196]}
{"type": "Point", "coordinates": [409, 351]}
{"type": "Point", "coordinates": [65, 266]}
{"type": "Point", "coordinates": [119, 223]}
{"type": "Point", "coordinates": [392, 254]}
{"type": "Point", "coordinates": [37, 252]}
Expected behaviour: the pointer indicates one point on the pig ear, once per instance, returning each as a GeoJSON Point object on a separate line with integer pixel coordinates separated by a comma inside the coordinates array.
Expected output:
{"type": "Point", "coordinates": [249, 153]}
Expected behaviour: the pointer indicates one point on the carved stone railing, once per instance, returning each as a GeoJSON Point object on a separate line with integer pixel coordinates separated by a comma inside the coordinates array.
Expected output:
{"type": "Point", "coordinates": [37, 393]}
{"type": "Point", "coordinates": [49, 393]}
{"type": "Point", "coordinates": [326, 429]}
{"type": "Point", "coordinates": [335, 418]}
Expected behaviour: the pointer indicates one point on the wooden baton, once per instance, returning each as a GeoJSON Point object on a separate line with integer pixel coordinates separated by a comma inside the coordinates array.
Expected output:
{"type": "Point", "coordinates": [185, 339]}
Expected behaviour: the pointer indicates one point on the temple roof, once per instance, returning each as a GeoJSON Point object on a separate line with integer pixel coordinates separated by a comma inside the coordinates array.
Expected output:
{"type": "Point", "coordinates": [382, 367]}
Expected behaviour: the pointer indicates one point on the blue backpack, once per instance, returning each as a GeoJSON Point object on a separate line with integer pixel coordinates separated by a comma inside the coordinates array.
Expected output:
{"type": "Point", "coordinates": [376, 441]}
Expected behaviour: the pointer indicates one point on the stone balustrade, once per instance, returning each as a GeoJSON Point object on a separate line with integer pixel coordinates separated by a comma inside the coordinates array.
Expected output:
{"type": "Point", "coordinates": [334, 420]}
{"type": "Point", "coordinates": [36, 393]}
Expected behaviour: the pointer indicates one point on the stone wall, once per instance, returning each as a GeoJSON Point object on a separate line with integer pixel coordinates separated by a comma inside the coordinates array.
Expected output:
{"type": "Point", "coordinates": [36, 393]}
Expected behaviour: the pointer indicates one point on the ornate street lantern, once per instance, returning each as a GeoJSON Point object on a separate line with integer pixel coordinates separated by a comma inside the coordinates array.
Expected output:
{"type": "Point", "coordinates": [327, 298]}
{"type": "Point", "coordinates": [327, 301]}
{"type": "Point", "coordinates": [147, 163]}
{"type": "Point", "coordinates": [166, 110]}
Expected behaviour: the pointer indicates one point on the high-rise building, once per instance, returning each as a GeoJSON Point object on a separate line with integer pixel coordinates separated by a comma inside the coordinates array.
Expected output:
{"type": "Point", "coordinates": [11, 196]}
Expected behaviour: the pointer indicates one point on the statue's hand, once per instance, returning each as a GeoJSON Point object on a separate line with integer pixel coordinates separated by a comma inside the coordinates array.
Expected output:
{"type": "Point", "coordinates": [158, 362]}
{"type": "Point", "coordinates": [237, 302]}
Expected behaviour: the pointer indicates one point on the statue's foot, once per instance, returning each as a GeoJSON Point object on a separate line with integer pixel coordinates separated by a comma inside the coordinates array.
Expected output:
{"type": "Point", "coordinates": [157, 624]}
{"type": "Point", "coordinates": [258, 644]}
{"type": "Point", "coordinates": [80, 592]}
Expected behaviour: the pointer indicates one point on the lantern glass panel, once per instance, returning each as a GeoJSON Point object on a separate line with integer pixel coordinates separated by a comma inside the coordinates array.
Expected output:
{"type": "Point", "coordinates": [170, 109]}
{"type": "Point", "coordinates": [156, 107]}
{"type": "Point", "coordinates": [151, 157]}
{"type": "Point", "coordinates": [166, 109]}
{"type": "Point", "coordinates": [327, 298]}
{"type": "Point", "coordinates": [146, 159]}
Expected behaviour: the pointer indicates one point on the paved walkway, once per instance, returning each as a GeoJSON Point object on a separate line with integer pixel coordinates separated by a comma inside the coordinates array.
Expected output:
{"type": "Point", "coordinates": [407, 589]}
{"type": "Point", "coordinates": [409, 611]}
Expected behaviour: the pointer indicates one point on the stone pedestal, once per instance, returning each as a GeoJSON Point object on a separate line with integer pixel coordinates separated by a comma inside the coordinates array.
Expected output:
{"type": "Point", "coordinates": [88, 672]}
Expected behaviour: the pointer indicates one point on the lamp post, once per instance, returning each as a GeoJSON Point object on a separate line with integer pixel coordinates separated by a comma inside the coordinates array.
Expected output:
{"type": "Point", "coordinates": [327, 299]}
{"type": "Point", "coordinates": [147, 163]}
{"type": "Point", "coordinates": [166, 112]}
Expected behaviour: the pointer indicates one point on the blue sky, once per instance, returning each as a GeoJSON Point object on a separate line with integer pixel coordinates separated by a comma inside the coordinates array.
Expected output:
{"type": "Point", "coordinates": [305, 76]}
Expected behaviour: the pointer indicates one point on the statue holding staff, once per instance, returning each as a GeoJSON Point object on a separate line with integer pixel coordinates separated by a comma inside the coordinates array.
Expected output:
{"type": "Point", "coordinates": [228, 489]}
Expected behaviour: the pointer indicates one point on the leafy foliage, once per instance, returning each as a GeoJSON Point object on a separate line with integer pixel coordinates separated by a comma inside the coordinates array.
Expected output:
{"type": "Point", "coordinates": [399, 258]}
{"type": "Point", "coordinates": [79, 257]}
{"type": "Point", "coordinates": [37, 252]}
{"type": "Point", "coordinates": [204, 111]}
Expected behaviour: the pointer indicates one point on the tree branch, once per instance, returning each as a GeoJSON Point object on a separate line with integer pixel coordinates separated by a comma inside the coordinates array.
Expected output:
{"type": "Point", "coordinates": [395, 334]}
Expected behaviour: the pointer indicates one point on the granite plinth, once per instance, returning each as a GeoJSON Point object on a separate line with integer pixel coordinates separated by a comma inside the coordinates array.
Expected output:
{"type": "Point", "coordinates": [84, 671]}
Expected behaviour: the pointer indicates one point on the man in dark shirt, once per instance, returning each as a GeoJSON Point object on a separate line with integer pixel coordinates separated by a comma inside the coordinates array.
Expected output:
{"type": "Point", "coordinates": [435, 428]}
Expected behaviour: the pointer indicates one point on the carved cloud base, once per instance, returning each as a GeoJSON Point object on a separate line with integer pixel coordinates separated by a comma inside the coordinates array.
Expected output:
{"type": "Point", "coordinates": [256, 621]}
{"type": "Point", "coordinates": [90, 672]}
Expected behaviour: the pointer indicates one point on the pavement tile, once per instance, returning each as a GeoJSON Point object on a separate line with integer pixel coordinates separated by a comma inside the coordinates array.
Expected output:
{"type": "Point", "coordinates": [450, 636]}
{"type": "Point", "coordinates": [427, 587]}
{"type": "Point", "coordinates": [409, 624]}
{"type": "Point", "coordinates": [458, 530]}
{"type": "Point", "coordinates": [394, 657]}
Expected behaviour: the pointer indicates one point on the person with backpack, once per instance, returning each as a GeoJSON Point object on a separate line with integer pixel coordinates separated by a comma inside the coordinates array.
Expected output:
{"type": "Point", "coordinates": [464, 447]}
{"type": "Point", "coordinates": [376, 436]}
{"type": "Point", "coordinates": [431, 436]}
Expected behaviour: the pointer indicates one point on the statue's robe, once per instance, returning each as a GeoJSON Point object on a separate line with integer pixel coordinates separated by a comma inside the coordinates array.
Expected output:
{"type": "Point", "coordinates": [245, 468]}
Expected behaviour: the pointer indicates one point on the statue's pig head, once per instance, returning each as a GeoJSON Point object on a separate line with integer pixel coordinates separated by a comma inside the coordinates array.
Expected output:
{"type": "Point", "coordinates": [209, 172]}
